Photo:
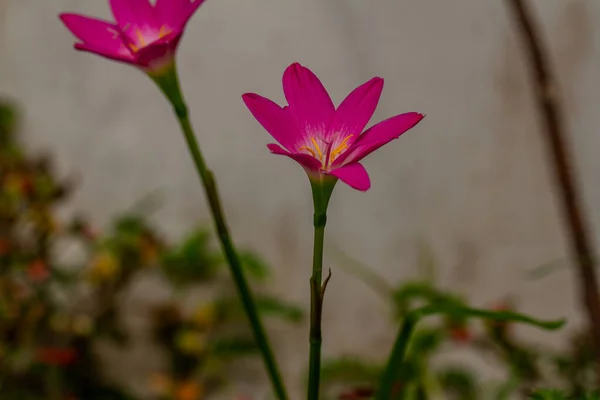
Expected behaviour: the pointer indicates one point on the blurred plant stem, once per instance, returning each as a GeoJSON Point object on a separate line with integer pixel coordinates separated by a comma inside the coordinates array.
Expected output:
{"type": "Point", "coordinates": [168, 82]}
{"type": "Point", "coordinates": [322, 190]}
{"type": "Point", "coordinates": [391, 386]}
{"type": "Point", "coordinates": [546, 92]}
{"type": "Point", "coordinates": [53, 383]}
{"type": "Point", "coordinates": [365, 274]}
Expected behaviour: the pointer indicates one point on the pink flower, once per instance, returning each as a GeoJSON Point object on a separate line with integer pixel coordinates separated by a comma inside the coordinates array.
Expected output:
{"type": "Point", "coordinates": [322, 139]}
{"type": "Point", "coordinates": [144, 35]}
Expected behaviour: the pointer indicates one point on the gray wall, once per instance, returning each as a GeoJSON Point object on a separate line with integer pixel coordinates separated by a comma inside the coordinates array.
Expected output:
{"type": "Point", "coordinates": [470, 180]}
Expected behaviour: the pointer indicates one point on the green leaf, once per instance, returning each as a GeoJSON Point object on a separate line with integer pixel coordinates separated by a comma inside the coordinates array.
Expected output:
{"type": "Point", "coordinates": [426, 341]}
{"type": "Point", "coordinates": [397, 357]}
{"type": "Point", "coordinates": [419, 293]}
{"type": "Point", "coordinates": [149, 203]}
{"type": "Point", "coordinates": [8, 120]}
{"type": "Point", "coordinates": [366, 275]}
{"type": "Point", "coordinates": [255, 266]}
{"type": "Point", "coordinates": [468, 312]}
{"type": "Point", "coordinates": [459, 382]}
{"type": "Point", "coordinates": [233, 347]}
{"type": "Point", "coordinates": [546, 269]}
{"type": "Point", "coordinates": [508, 388]}
{"type": "Point", "coordinates": [417, 290]}
{"type": "Point", "coordinates": [272, 306]}
{"type": "Point", "coordinates": [350, 370]}
{"type": "Point", "coordinates": [192, 262]}
{"type": "Point", "coordinates": [548, 394]}
{"type": "Point", "coordinates": [129, 224]}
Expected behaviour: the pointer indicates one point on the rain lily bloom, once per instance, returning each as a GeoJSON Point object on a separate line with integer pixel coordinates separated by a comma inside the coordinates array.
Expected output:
{"type": "Point", "coordinates": [325, 140]}
{"type": "Point", "coordinates": [144, 35]}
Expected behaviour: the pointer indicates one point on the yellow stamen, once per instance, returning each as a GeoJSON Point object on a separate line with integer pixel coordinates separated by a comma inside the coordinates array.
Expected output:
{"type": "Point", "coordinates": [340, 149]}
{"type": "Point", "coordinates": [164, 31]}
{"type": "Point", "coordinates": [314, 141]}
{"type": "Point", "coordinates": [140, 37]}
{"type": "Point", "coordinates": [312, 153]}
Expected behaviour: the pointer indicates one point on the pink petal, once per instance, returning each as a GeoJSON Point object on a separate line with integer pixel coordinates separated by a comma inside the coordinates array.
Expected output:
{"type": "Point", "coordinates": [309, 101]}
{"type": "Point", "coordinates": [97, 33]}
{"type": "Point", "coordinates": [191, 9]}
{"type": "Point", "coordinates": [355, 175]}
{"type": "Point", "coordinates": [176, 13]}
{"type": "Point", "coordinates": [379, 135]}
{"type": "Point", "coordinates": [90, 48]}
{"type": "Point", "coordinates": [170, 12]}
{"type": "Point", "coordinates": [307, 161]}
{"type": "Point", "coordinates": [139, 13]}
{"type": "Point", "coordinates": [274, 119]}
{"type": "Point", "coordinates": [356, 110]}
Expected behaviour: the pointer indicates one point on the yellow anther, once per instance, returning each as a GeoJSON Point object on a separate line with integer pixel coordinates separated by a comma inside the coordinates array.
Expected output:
{"type": "Point", "coordinates": [339, 149]}
{"type": "Point", "coordinates": [164, 31]}
{"type": "Point", "coordinates": [312, 153]}
{"type": "Point", "coordinates": [314, 141]}
{"type": "Point", "coordinates": [314, 150]}
{"type": "Point", "coordinates": [140, 37]}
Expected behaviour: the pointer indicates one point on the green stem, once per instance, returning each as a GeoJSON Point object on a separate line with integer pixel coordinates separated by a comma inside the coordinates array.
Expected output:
{"type": "Point", "coordinates": [322, 190]}
{"type": "Point", "coordinates": [389, 380]}
{"type": "Point", "coordinates": [53, 381]}
{"type": "Point", "coordinates": [169, 84]}
{"type": "Point", "coordinates": [316, 302]}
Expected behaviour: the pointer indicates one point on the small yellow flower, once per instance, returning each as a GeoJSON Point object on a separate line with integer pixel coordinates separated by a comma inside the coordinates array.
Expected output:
{"type": "Point", "coordinates": [104, 267]}
{"type": "Point", "coordinates": [205, 316]}
{"type": "Point", "coordinates": [49, 222]}
{"type": "Point", "coordinates": [191, 342]}
{"type": "Point", "coordinates": [82, 325]}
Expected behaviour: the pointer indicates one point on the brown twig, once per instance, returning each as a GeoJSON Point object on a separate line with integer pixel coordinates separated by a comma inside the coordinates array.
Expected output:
{"type": "Point", "coordinates": [546, 93]}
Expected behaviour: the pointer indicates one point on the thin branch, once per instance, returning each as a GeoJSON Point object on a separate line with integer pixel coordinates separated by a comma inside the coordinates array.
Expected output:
{"type": "Point", "coordinates": [546, 92]}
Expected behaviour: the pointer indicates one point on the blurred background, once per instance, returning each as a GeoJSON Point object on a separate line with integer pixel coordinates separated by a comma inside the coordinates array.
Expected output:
{"type": "Point", "coordinates": [467, 194]}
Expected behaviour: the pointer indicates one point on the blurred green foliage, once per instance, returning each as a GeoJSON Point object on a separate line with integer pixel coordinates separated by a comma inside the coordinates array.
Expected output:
{"type": "Point", "coordinates": [527, 366]}
{"type": "Point", "coordinates": [64, 293]}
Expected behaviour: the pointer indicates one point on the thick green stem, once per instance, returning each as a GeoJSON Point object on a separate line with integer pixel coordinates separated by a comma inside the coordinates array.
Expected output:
{"type": "Point", "coordinates": [169, 84]}
{"type": "Point", "coordinates": [322, 190]}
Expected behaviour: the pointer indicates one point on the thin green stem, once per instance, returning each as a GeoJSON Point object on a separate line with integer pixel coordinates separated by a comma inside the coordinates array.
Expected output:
{"type": "Point", "coordinates": [390, 387]}
{"type": "Point", "coordinates": [322, 189]}
{"type": "Point", "coordinates": [54, 384]}
{"type": "Point", "coordinates": [169, 84]}
{"type": "Point", "coordinates": [316, 301]}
